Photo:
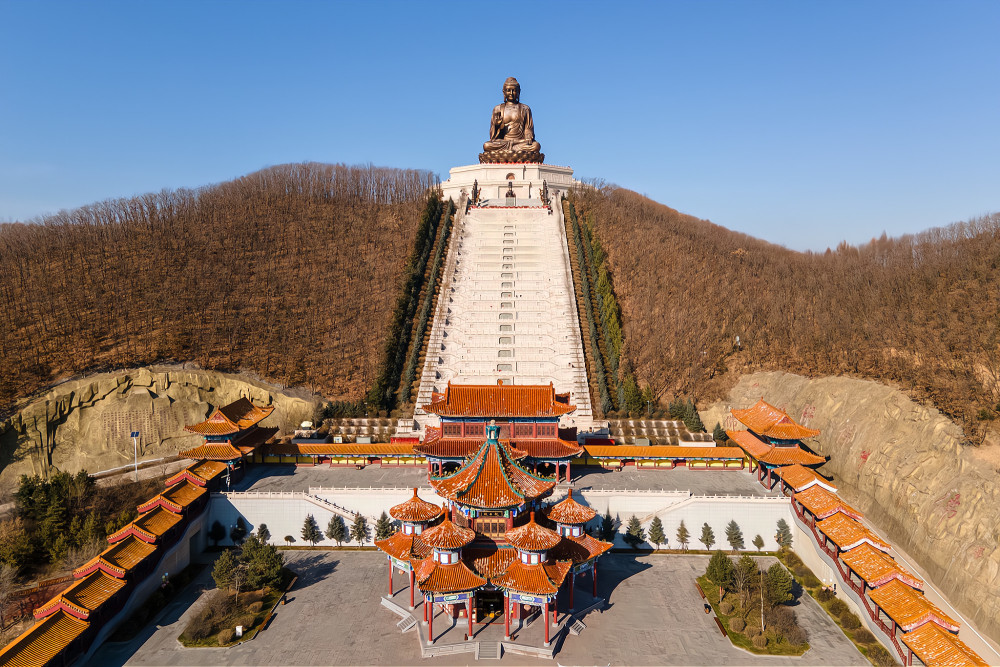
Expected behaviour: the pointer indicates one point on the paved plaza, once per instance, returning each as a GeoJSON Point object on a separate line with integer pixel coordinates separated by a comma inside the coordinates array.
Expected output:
{"type": "Point", "coordinates": [273, 477]}
{"type": "Point", "coordinates": [333, 617]}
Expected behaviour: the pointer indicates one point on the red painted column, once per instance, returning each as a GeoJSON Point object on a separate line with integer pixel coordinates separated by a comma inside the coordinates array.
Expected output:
{"type": "Point", "coordinates": [567, 471]}
{"type": "Point", "coordinates": [555, 610]}
{"type": "Point", "coordinates": [430, 623]}
{"type": "Point", "coordinates": [468, 612]}
{"type": "Point", "coordinates": [425, 609]}
{"type": "Point", "coordinates": [411, 587]}
{"type": "Point", "coordinates": [557, 473]}
{"type": "Point", "coordinates": [545, 618]}
{"type": "Point", "coordinates": [506, 615]}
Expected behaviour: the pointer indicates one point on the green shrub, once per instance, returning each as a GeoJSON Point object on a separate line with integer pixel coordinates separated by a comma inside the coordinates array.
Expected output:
{"type": "Point", "coordinates": [725, 607]}
{"type": "Point", "coordinates": [760, 641]}
{"type": "Point", "coordinates": [838, 607]}
{"type": "Point", "coordinates": [850, 621]}
{"type": "Point", "coordinates": [792, 560]}
{"type": "Point", "coordinates": [736, 624]}
{"type": "Point", "coordinates": [825, 595]}
{"type": "Point", "coordinates": [800, 570]}
{"type": "Point", "coordinates": [752, 628]}
{"type": "Point", "coordinates": [227, 636]}
{"type": "Point", "coordinates": [255, 607]}
{"type": "Point", "coordinates": [810, 581]}
{"type": "Point", "coordinates": [880, 656]}
{"type": "Point", "coordinates": [863, 636]}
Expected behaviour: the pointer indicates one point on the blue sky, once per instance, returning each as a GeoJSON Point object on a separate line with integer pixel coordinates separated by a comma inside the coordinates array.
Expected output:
{"type": "Point", "coordinates": [803, 123]}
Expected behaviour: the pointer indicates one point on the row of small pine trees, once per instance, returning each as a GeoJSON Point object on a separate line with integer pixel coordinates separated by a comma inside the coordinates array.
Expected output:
{"type": "Point", "coordinates": [635, 534]}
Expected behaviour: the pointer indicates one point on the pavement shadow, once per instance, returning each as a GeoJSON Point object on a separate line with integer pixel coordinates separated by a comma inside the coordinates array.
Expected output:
{"type": "Point", "coordinates": [259, 471]}
{"type": "Point", "coordinates": [615, 568]}
{"type": "Point", "coordinates": [313, 568]}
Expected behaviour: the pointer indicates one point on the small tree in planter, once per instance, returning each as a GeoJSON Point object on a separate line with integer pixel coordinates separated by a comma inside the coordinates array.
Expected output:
{"type": "Point", "coordinates": [707, 536]}
{"type": "Point", "coordinates": [634, 534]}
{"type": "Point", "coordinates": [734, 536]}
{"type": "Point", "coordinates": [656, 535]}
{"type": "Point", "coordinates": [683, 535]}
{"type": "Point", "coordinates": [336, 530]}
{"type": "Point", "coordinates": [310, 530]}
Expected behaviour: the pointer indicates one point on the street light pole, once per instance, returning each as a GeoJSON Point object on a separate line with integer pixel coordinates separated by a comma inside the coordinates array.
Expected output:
{"type": "Point", "coordinates": [135, 452]}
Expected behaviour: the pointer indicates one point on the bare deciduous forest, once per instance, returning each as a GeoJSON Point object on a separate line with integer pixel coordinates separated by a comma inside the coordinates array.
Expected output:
{"type": "Point", "coordinates": [291, 273]}
{"type": "Point", "coordinates": [920, 312]}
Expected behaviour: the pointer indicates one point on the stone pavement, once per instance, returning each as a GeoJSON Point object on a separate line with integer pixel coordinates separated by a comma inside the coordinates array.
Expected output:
{"type": "Point", "coordinates": [333, 617]}
{"type": "Point", "coordinates": [699, 482]}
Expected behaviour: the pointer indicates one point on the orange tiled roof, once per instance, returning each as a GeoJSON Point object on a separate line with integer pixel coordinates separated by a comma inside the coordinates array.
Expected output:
{"type": "Point", "coordinates": [433, 577]}
{"type": "Point", "coordinates": [119, 558]}
{"type": "Point", "coordinates": [239, 415]}
{"type": "Point", "coordinates": [491, 480]}
{"type": "Point", "coordinates": [847, 533]}
{"type": "Point", "coordinates": [462, 448]}
{"type": "Point", "coordinates": [489, 560]}
{"type": "Point", "coordinates": [935, 647]}
{"type": "Point", "coordinates": [773, 454]}
{"type": "Point", "coordinates": [42, 642]}
{"type": "Point", "coordinates": [532, 537]}
{"type": "Point", "coordinates": [909, 608]}
{"type": "Point", "coordinates": [571, 512]}
{"type": "Point", "coordinates": [499, 400]}
{"type": "Point", "coordinates": [595, 546]}
{"type": "Point", "coordinates": [404, 547]}
{"type": "Point", "coordinates": [216, 451]}
{"type": "Point", "coordinates": [662, 452]}
{"type": "Point", "coordinates": [801, 478]}
{"type": "Point", "coordinates": [822, 503]}
{"type": "Point", "coordinates": [83, 596]}
{"type": "Point", "coordinates": [579, 549]}
{"type": "Point", "coordinates": [447, 535]}
{"type": "Point", "coordinates": [199, 473]}
{"type": "Point", "coordinates": [253, 438]}
{"type": "Point", "coordinates": [877, 568]}
{"type": "Point", "coordinates": [175, 499]}
{"type": "Point", "coordinates": [769, 421]}
{"type": "Point", "coordinates": [539, 579]}
{"type": "Point", "coordinates": [149, 527]}
{"type": "Point", "coordinates": [415, 510]}
{"type": "Point", "coordinates": [341, 449]}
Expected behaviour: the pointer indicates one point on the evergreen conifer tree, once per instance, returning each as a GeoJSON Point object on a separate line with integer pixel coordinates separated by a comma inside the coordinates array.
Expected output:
{"type": "Point", "coordinates": [383, 527]}
{"type": "Point", "coordinates": [634, 534]}
{"type": "Point", "coordinates": [310, 530]}
{"type": "Point", "coordinates": [359, 530]}
{"type": "Point", "coordinates": [758, 542]}
{"type": "Point", "coordinates": [720, 572]}
{"type": "Point", "coordinates": [263, 533]}
{"type": "Point", "coordinates": [734, 535]}
{"type": "Point", "coordinates": [225, 566]}
{"type": "Point", "coordinates": [336, 530]}
{"type": "Point", "coordinates": [656, 534]}
{"type": "Point", "coordinates": [692, 420]}
{"type": "Point", "coordinates": [777, 585]}
{"type": "Point", "coordinates": [707, 536]}
{"type": "Point", "coordinates": [683, 535]}
{"type": "Point", "coordinates": [784, 535]}
{"type": "Point", "coordinates": [719, 433]}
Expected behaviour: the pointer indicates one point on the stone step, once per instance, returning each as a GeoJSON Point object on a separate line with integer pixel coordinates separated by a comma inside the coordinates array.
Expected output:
{"type": "Point", "coordinates": [488, 651]}
{"type": "Point", "coordinates": [407, 624]}
{"type": "Point", "coordinates": [577, 627]}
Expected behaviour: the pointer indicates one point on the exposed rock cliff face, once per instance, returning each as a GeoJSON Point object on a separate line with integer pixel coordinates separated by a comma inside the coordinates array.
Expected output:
{"type": "Point", "coordinates": [904, 466]}
{"type": "Point", "coordinates": [85, 424]}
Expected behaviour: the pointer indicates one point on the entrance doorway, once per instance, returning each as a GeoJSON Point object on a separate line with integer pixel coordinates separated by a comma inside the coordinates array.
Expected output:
{"type": "Point", "coordinates": [489, 605]}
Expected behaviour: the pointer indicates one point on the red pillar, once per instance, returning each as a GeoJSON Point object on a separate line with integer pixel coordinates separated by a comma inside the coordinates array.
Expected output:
{"type": "Point", "coordinates": [545, 617]}
{"type": "Point", "coordinates": [390, 578]}
{"type": "Point", "coordinates": [468, 612]}
{"type": "Point", "coordinates": [425, 609]}
{"type": "Point", "coordinates": [555, 610]}
{"type": "Point", "coordinates": [506, 615]}
{"type": "Point", "coordinates": [557, 473]}
{"type": "Point", "coordinates": [567, 471]}
{"type": "Point", "coordinates": [593, 571]}
{"type": "Point", "coordinates": [430, 623]}
{"type": "Point", "coordinates": [572, 585]}
{"type": "Point", "coordinates": [411, 587]}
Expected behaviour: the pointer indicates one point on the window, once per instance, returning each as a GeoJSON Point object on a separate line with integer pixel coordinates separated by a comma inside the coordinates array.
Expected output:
{"type": "Point", "coordinates": [508, 226]}
{"type": "Point", "coordinates": [505, 367]}
{"type": "Point", "coordinates": [446, 557]}
{"type": "Point", "coordinates": [530, 558]}
{"type": "Point", "coordinates": [506, 340]}
{"type": "Point", "coordinates": [506, 275]}
{"type": "Point", "coordinates": [508, 266]}
{"type": "Point", "coordinates": [505, 353]}
{"type": "Point", "coordinates": [407, 529]}
{"type": "Point", "coordinates": [506, 327]}
{"type": "Point", "coordinates": [506, 295]}
{"type": "Point", "coordinates": [510, 177]}
{"type": "Point", "coordinates": [506, 316]}
{"type": "Point", "coordinates": [506, 304]}
{"type": "Point", "coordinates": [506, 285]}
{"type": "Point", "coordinates": [508, 234]}
{"type": "Point", "coordinates": [504, 381]}
{"type": "Point", "coordinates": [452, 429]}
{"type": "Point", "coordinates": [546, 430]}
{"type": "Point", "coordinates": [508, 241]}
{"type": "Point", "coordinates": [523, 430]}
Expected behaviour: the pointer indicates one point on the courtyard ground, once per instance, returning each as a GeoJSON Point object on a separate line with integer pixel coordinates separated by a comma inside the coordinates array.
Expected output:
{"type": "Point", "coordinates": [700, 482]}
{"type": "Point", "coordinates": [333, 617]}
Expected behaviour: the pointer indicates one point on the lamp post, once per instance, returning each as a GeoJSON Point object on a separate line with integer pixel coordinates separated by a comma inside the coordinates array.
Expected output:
{"type": "Point", "coordinates": [135, 452]}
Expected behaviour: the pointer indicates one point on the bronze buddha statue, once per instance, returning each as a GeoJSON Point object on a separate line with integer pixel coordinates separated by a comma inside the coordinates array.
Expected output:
{"type": "Point", "coordinates": [512, 132]}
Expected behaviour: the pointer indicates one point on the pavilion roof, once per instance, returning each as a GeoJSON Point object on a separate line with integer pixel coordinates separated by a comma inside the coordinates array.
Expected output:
{"type": "Point", "coordinates": [847, 533]}
{"type": "Point", "coordinates": [537, 579]}
{"type": "Point", "coordinates": [491, 479]}
{"type": "Point", "coordinates": [877, 568]}
{"type": "Point", "coordinates": [662, 452]}
{"type": "Point", "coordinates": [489, 559]}
{"type": "Point", "coordinates": [447, 535]}
{"type": "Point", "coordinates": [83, 596]}
{"type": "Point", "coordinates": [415, 510]}
{"type": "Point", "coordinates": [801, 478]}
{"type": "Point", "coordinates": [404, 547]}
{"type": "Point", "coordinates": [532, 537]}
{"type": "Point", "coordinates": [119, 558]}
{"type": "Point", "coordinates": [823, 504]}
{"type": "Point", "coordinates": [42, 642]}
{"type": "Point", "coordinates": [340, 449]}
{"type": "Point", "coordinates": [175, 499]}
{"type": "Point", "coordinates": [149, 527]}
{"type": "Point", "coordinates": [909, 608]}
{"type": "Point", "coordinates": [462, 448]}
{"type": "Point", "coordinates": [247, 441]}
{"type": "Point", "coordinates": [199, 473]}
{"type": "Point", "coordinates": [569, 511]}
{"type": "Point", "coordinates": [769, 421]}
{"type": "Point", "coordinates": [216, 451]}
{"type": "Point", "coordinates": [579, 549]}
{"type": "Point", "coordinates": [434, 577]}
{"type": "Point", "coordinates": [773, 454]}
{"type": "Point", "coordinates": [935, 646]}
{"type": "Point", "coordinates": [499, 401]}
{"type": "Point", "coordinates": [239, 415]}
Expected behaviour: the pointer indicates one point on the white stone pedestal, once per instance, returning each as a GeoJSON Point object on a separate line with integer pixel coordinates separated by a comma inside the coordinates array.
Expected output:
{"type": "Point", "coordinates": [494, 178]}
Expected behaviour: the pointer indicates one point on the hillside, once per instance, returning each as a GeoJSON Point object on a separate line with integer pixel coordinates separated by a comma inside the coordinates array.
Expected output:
{"type": "Point", "coordinates": [290, 273]}
{"type": "Point", "coordinates": [918, 312]}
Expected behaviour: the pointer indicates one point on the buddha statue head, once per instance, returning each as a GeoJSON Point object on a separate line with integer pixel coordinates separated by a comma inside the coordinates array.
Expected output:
{"type": "Point", "coordinates": [511, 90]}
